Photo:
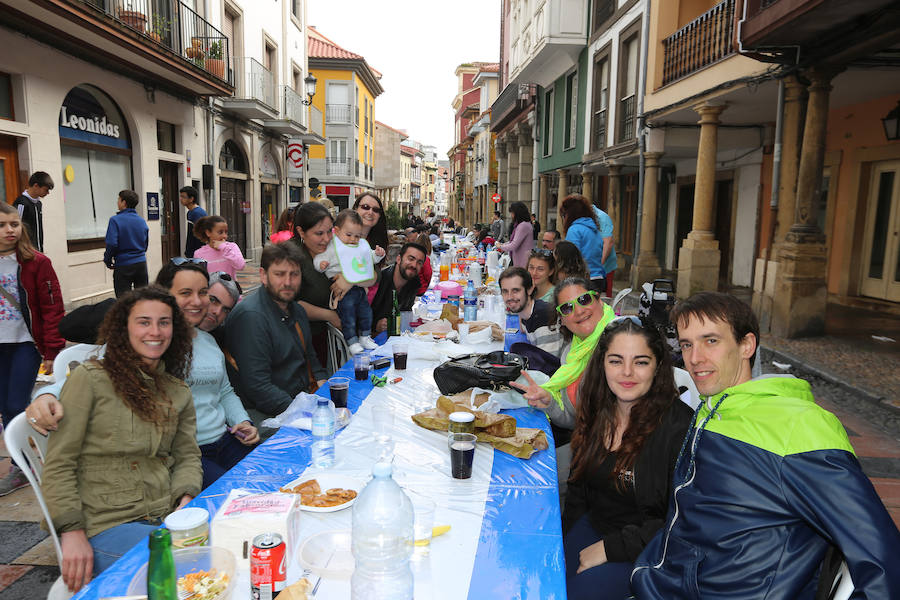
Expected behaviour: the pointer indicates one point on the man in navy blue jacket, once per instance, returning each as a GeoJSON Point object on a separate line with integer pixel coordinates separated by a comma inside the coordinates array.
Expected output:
{"type": "Point", "coordinates": [127, 238]}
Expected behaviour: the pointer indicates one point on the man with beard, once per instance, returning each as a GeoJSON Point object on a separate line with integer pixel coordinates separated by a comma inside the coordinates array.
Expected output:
{"type": "Point", "coordinates": [403, 277]}
{"type": "Point", "coordinates": [516, 287]}
{"type": "Point", "coordinates": [267, 335]}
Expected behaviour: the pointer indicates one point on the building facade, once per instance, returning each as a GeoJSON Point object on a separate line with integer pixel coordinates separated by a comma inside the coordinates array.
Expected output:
{"type": "Point", "coordinates": [345, 164]}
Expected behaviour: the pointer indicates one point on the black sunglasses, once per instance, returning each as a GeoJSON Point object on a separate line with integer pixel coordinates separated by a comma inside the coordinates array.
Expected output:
{"type": "Point", "coordinates": [180, 260]}
{"type": "Point", "coordinates": [621, 320]}
{"type": "Point", "coordinates": [586, 299]}
{"type": "Point", "coordinates": [226, 277]}
{"type": "Point", "coordinates": [371, 207]}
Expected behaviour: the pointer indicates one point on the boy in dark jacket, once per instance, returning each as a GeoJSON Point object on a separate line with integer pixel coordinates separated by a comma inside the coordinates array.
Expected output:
{"type": "Point", "coordinates": [127, 238]}
{"type": "Point", "coordinates": [30, 208]}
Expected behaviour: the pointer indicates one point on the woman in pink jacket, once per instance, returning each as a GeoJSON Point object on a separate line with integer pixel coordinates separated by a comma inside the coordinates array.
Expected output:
{"type": "Point", "coordinates": [521, 240]}
{"type": "Point", "coordinates": [218, 252]}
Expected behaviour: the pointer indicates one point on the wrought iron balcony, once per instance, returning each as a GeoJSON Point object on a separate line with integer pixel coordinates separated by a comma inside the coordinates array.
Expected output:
{"type": "Point", "coordinates": [337, 166]}
{"type": "Point", "coordinates": [702, 42]}
{"type": "Point", "coordinates": [337, 114]}
{"type": "Point", "coordinates": [291, 119]}
{"type": "Point", "coordinates": [598, 130]}
{"type": "Point", "coordinates": [176, 27]}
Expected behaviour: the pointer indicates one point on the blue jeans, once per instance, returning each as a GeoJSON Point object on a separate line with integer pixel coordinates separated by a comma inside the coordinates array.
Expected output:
{"type": "Point", "coordinates": [19, 365]}
{"type": "Point", "coordinates": [355, 314]}
{"type": "Point", "coordinates": [220, 456]}
{"type": "Point", "coordinates": [110, 545]}
{"type": "Point", "coordinates": [609, 581]}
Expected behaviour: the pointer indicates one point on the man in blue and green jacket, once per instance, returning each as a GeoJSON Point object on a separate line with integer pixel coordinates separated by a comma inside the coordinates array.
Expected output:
{"type": "Point", "coordinates": [765, 482]}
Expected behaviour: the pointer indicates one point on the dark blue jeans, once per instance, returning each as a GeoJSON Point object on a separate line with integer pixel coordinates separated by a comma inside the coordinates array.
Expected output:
{"type": "Point", "coordinates": [19, 365]}
{"type": "Point", "coordinates": [355, 314]}
{"type": "Point", "coordinates": [609, 581]}
{"type": "Point", "coordinates": [220, 456]}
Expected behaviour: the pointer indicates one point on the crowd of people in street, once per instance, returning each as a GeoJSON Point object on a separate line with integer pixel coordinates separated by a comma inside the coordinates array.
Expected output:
{"type": "Point", "coordinates": [745, 494]}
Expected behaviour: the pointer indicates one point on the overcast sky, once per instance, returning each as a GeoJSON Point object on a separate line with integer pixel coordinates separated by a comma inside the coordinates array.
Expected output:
{"type": "Point", "coordinates": [416, 44]}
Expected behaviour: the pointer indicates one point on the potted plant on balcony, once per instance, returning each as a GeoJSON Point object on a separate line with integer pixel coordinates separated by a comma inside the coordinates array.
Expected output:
{"type": "Point", "coordinates": [132, 18]}
{"type": "Point", "coordinates": [214, 61]}
{"type": "Point", "coordinates": [159, 29]}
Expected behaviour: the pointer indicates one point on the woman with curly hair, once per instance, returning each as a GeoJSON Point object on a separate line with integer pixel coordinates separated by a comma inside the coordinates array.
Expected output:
{"type": "Point", "coordinates": [569, 262]}
{"type": "Point", "coordinates": [224, 429]}
{"type": "Point", "coordinates": [629, 427]}
{"type": "Point", "coordinates": [126, 455]}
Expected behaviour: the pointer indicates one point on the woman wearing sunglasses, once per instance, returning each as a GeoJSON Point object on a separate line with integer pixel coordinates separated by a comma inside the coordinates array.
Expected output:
{"type": "Point", "coordinates": [542, 268]}
{"type": "Point", "coordinates": [371, 211]}
{"type": "Point", "coordinates": [629, 428]}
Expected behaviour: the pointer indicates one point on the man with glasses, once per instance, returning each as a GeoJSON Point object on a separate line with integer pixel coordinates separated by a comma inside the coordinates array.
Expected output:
{"type": "Point", "coordinates": [766, 483]}
{"type": "Point", "coordinates": [549, 239]}
{"type": "Point", "coordinates": [402, 276]}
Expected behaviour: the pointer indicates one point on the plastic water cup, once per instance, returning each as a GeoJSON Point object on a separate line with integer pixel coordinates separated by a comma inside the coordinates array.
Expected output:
{"type": "Point", "coordinates": [339, 386]}
{"type": "Point", "coordinates": [462, 454]}
{"type": "Point", "coordinates": [383, 422]}
{"type": "Point", "coordinates": [361, 366]}
{"type": "Point", "coordinates": [424, 522]}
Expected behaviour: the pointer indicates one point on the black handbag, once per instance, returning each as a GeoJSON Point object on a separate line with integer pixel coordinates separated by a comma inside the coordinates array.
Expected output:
{"type": "Point", "coordinates": [491, 371]}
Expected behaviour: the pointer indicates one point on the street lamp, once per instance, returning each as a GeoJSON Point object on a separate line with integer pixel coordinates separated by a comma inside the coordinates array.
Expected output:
{"type": "Point", "coordinates": [310, 83]}
{"type": "Point", "coordinates": [891, 124]}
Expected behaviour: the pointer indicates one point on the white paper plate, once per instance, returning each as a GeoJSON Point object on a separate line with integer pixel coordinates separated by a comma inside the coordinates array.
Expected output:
{"type": "Point", "coordinates": [328, 555]}
{"type": "Point", "coordinates": [328, 481]}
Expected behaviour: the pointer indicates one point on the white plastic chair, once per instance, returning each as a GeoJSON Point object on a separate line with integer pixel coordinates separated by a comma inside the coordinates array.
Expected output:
{"type": "Point", "coordinates": [338, 350]}
{"type": "Point", "coordinates": [683, 379]}
{"type": "Point", "coordinates": [27, 449]}
{"type": "Point", "coordinates": [619, 297]}
{"type": "Point", "coordinates": [77, 353]}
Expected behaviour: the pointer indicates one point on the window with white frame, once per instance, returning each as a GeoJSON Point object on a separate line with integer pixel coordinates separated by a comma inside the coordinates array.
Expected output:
{"type": "Point", "coordinates": [547, 142]}
{"type": "Point", "coordinates": [571, 110]}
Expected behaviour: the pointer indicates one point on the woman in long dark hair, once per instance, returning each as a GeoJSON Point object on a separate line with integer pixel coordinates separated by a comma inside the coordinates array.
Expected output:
{"type": "Point", "coordinates": [521, 238]}
{"type": "Point", "coordinates": [371, 211]}
{"type": "Point", "coordinates": [126, 454]}
{"type": "Point", "coordinates": [582, 229]}
{"type": "Point", "coordinates": [569, 262]}
{"type": "Point", "coordinates": [629, 427]}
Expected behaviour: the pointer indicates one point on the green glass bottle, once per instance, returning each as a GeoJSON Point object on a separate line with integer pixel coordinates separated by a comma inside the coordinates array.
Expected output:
{"type": "Point", "coordinates": [394, 321]}
{"type": "Point", "coordinates": [161, 581]}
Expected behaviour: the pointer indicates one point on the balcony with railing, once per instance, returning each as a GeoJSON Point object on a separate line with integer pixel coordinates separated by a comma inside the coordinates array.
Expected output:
{"type": "Point", "coordinates": [337, 165]}
{"type": "Point", "coordinates": [514, 98]}
{"type": "Point", "coordinates": [598, 130]}
{"type": "Point", "coordinates": [626, 119]}
{"type": "Point", "coordinates": [161, 43]}
{"type": "Point", "coordinates": [702, 42]}
{"type": "Point", "coordinates": [291, 119]}
{"type": "Point", "coordinates": [337, 114]}
{"type": "Point", "coordinates": [255, 91]}
{"type": "Point", "coordinates": [818, 28]}
{"type": "Point", "coordinates": [547, 39]}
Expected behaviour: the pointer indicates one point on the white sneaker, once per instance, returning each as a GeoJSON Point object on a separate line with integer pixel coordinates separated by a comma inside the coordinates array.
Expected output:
{"type": "Point", "coordinates": [356, 348]}
{"type": "Point", "coordinates": [368, 343]}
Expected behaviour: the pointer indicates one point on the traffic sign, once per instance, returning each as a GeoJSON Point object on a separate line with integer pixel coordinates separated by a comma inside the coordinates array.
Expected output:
{"type": "Point", "coordinates": [496, 198]}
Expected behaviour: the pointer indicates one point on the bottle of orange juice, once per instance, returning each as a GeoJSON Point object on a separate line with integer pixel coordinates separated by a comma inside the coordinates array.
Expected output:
{"type": "Point", "coordinates": [445, 266]}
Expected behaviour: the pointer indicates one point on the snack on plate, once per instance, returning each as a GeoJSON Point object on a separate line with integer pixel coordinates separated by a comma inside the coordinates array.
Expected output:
{"type": "Point", "coordinates": [204, 585]}
{"type": "Point", "coordinates": [299, 590]}
{"type": "Point", "coordinates": [311, 494]}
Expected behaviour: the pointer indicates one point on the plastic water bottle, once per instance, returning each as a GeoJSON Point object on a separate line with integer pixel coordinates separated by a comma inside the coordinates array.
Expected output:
{"type": "Point", "coordinates": [470, 303]}
{"type": "Point", "coordinates": [323, 434]}
{"type": "Point", "coordinates": [382, 540]}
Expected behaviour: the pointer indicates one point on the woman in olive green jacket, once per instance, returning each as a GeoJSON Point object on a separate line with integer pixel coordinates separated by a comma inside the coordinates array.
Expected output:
{"type": "Point", "coordinates": [126, 455]}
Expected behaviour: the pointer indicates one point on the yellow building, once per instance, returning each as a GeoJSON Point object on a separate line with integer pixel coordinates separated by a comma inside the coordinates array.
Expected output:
{"type": "Point", "coordinates": [345, 165]}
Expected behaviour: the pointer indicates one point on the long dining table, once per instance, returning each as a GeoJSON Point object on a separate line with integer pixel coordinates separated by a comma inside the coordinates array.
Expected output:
{"type": "Point", "coordinates": [505, 539]}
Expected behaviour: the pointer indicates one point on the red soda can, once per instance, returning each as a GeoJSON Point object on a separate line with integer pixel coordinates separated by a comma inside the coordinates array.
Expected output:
{"type": "Point", "coordinates": [267, 566]}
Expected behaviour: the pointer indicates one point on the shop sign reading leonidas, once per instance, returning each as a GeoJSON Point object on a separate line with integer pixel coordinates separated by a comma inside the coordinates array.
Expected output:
{"type": "Point", "coordinates": [89, 116]}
